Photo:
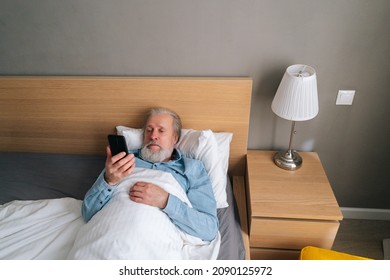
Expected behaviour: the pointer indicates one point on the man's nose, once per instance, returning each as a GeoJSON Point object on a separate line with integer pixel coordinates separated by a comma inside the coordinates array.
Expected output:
{"type": "Point", "coordinates": [154, 135]}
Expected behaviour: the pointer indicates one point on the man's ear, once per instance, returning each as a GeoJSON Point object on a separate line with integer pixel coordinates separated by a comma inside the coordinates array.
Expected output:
{"type": "Point", "coordinates": [176, 139]}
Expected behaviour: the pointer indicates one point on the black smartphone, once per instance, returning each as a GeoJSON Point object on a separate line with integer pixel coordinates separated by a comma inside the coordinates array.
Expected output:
{"type": "Point", "coordinates": [117, 144]}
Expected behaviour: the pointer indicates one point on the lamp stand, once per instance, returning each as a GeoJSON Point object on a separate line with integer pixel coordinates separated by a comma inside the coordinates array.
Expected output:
{"type": "Point", "coordinates": [290, 159]}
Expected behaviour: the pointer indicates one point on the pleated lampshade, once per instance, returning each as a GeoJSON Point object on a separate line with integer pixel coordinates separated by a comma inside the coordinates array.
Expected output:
{"type": "Point", "coordinates": [296, 98]}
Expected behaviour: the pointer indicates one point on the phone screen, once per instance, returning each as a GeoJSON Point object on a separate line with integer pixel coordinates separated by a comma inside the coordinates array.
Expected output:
{"type": "Point", "coordinates": [117, 144]}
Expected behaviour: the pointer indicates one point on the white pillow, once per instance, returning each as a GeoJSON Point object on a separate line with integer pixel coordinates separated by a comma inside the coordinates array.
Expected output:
{"type": "Point", "coordinates": [201, 145]}
{"type": "Point", "coordinates": [223, 140]}
{"type": "Point", "coordinates": [133, 136]}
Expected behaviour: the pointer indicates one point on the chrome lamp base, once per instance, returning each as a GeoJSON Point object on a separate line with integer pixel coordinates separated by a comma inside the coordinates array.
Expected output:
{"type": "Point", "coordinates": [289, 160]}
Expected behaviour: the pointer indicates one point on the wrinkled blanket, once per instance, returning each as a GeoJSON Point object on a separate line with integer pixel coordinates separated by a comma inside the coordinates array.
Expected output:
{"type": "Point", "coordinates": [123, 229]}
{"type": "Point", "coordinates": [39, 229]}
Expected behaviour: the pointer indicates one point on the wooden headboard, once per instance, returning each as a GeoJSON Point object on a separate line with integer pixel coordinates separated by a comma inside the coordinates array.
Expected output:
{"type": "Point", "coordinates": [73, 115]}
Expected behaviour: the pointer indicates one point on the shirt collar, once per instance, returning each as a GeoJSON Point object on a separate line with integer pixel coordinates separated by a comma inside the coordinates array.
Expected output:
{"type": "Point", "coordinates": [176, 155]}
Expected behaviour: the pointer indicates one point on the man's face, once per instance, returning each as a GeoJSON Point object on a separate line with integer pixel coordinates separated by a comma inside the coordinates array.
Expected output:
{"type": "Point", "coordinates": [159, 138]}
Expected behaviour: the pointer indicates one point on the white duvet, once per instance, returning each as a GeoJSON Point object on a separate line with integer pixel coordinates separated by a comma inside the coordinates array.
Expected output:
{"type": "Point", "coordinates": [40, 229]}
{"type": "Point", "coordinates": [54, 229]}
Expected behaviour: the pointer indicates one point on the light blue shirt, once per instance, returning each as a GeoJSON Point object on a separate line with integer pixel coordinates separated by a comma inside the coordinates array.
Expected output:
{"type": "Point", "coordinates": [200, 220]}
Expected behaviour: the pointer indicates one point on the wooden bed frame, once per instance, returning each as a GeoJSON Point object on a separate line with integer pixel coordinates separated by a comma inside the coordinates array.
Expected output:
{"type": "Point", "coordinates": [73, 115]}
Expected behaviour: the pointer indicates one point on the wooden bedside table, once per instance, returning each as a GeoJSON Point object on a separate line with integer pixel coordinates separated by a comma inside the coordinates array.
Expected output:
{"type": "Point", "coordinates": [288, 210]}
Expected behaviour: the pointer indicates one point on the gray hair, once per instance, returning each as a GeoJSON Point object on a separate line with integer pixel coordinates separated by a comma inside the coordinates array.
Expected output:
{"type": "Point", "coordinates": [165, 111]}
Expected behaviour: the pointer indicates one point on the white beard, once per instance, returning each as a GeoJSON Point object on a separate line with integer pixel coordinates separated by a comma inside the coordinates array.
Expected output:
{"type": "Point", "coordinates": [158, 156]}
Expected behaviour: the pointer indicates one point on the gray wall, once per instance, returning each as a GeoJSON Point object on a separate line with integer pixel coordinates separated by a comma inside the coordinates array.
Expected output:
{"type": "Point", "coordinates": [346, 41]}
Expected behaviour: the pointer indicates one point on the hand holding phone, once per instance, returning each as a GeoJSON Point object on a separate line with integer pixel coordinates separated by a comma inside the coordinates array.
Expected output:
{"type": "Point", "coordinates": [117, 144]}
{"type": "Point", "coordinates": [116, 170]}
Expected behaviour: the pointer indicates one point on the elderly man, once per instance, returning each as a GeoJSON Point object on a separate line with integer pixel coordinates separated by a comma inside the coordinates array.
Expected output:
{"type": "Point", "coordinates": [161, 133]}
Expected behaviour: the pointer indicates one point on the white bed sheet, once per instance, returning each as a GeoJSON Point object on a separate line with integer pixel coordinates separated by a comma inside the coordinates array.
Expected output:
{"type": "Point", "coordinates": [54, 229]}
{"type": "Point", "coordinates": [124, 229]}
{"type": "Point", "coordinates": [39, 229]}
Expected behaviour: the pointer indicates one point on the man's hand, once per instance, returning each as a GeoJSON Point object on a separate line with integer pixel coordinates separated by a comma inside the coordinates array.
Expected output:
{"type": "Point", "coordinates": [117, 167]}
{"type": "Point", "coordinates": [149, 194]}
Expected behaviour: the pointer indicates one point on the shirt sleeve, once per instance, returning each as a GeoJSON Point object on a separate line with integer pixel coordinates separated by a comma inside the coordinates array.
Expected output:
{"type": "Point", "coordinates": [200, 220]}
{"type": "Point", "coordinates": [97, 196]}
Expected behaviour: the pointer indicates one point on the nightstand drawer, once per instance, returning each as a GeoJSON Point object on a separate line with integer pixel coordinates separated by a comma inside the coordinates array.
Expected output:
{"type": "Point", "coordinates": [292, 234]}
{"type": "Point", "coordinates": [274, 254]}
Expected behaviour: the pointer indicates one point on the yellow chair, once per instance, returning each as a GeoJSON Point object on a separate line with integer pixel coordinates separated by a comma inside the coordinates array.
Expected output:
{"type": "Point", "coordinates": [315, 253]}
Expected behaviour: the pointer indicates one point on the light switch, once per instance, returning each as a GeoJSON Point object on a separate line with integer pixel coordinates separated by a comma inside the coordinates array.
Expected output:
{"type": "Point", "coordinates": [345, 97]}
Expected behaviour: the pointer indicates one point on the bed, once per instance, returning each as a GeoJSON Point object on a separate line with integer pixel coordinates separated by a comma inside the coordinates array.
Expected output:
{"type": "Point", "coordinates": [53, 134]}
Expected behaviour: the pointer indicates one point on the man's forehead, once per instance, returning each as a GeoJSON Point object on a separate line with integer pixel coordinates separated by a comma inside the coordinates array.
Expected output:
{"type": "Point", "coordinates": [162, 120]}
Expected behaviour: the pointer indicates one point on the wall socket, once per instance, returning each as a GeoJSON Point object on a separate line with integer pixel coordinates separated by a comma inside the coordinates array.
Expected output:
{"type": "Point", "coordinates": [345, 97]}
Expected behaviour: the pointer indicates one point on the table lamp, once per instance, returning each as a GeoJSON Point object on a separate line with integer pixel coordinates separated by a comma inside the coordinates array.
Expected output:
{"type": "Point", "coordinates": [295, 100]}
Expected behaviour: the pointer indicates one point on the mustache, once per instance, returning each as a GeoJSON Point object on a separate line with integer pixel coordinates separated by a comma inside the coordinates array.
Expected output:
{"type": "Point", "coordinates": [152, 142]}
